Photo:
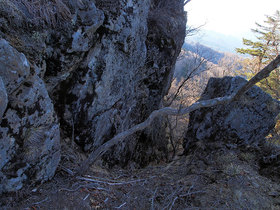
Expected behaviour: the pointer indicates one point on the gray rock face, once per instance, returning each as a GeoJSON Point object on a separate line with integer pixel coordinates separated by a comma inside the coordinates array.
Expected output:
{"type": "Point", "coordinates": [29, 131]}
{"type": "Point", "coordinates": [91, 19]}
{"type": "Point", "coordinates": [101, 66]}
{"type": "Point", "coordinates": [123, 76]}
{"type": "Point", "coordinates": [14, 66]}
{"type": "Point", "coordinates": [244, 122]}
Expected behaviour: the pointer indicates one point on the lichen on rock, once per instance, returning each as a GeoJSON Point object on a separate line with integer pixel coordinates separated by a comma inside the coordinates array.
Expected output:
{"type": "Point", "coordinates": [29, 131]}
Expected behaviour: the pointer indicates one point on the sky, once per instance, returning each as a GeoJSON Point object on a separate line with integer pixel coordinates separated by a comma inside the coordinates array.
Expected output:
{"type": "Point", "coordinates": [230, 17]}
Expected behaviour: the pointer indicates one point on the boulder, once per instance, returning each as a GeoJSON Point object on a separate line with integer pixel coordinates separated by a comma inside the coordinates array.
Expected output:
{"type": "Point", "coordinates": [245, 122]}
{"type": "Point", "coordinates": [29, 130]}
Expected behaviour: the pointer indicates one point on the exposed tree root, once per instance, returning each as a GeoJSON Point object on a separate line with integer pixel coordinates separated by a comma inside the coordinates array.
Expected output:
{"type": "Point", "coordinates": [171, 111]}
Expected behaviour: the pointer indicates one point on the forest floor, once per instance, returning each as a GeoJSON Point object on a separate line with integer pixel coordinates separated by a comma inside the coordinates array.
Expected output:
{"type": "Point", "coordinates": [222, 179]}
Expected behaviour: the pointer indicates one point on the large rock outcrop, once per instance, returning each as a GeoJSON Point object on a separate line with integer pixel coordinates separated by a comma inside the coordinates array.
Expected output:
{"type": "Point", "coordinates": [245, 122]}
{"type": "Point", "coordinates": [29, 131]}
{"type": "Point", "coordinates": [87, 70]}
{"type": "Point", "coordinates": [124, 66]}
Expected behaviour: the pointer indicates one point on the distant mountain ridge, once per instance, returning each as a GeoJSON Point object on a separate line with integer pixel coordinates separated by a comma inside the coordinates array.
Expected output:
{"type": "Point", "coordinates": [206, 62]}
{"type": "Point", "coordinates": [204, 51]}
{"type": "Point", "coordinates": [217, 41]}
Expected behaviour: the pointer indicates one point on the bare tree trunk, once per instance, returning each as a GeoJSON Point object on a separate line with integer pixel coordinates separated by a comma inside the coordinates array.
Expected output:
{"type": "Point", "coordinates": [171, 111]}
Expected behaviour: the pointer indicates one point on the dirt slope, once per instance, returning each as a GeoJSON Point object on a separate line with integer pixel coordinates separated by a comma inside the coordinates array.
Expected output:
{"type": "Point", "coordinates": [221, 179]}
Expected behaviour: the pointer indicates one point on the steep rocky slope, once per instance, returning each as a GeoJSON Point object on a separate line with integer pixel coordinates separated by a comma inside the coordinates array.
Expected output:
{"type": "Point", "coordinates": [82, 71]}
{"type": "Point", "coordinates": [220, 179]}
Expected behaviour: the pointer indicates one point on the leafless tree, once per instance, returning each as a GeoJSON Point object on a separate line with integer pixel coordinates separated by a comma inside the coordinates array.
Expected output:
{"type": "Point", "coordinates": [187, 85]}
{"type": "Point", "coordinates": [230, 64]}
{"type": "Point", "coordinates": [193, 63]}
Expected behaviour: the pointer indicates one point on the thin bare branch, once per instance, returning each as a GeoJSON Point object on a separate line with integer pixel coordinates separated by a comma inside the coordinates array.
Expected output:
{"type": "Point", "coordinates": [120, 206]}
{"type": "Point", "coordinates": [153, 198]}
{"type": "Point", "coordinates": [191, 30]}
{"type": "Point", "coordinates": [39, 202]}
{"type": "Point", "coordinates": [86, 197]}
{"type": "Point", "coordinates": [190, 75]}
{"type": "Point", "coordinates": [187, 1]}
{"type": "Point", "coordinates": [86, 186]}
{"type": "Point", "coordinates": [112, 183]}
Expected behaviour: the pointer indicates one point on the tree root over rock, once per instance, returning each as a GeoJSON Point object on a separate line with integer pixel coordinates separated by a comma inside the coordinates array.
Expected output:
{"type": "Point", "coordinates": [171, 111]}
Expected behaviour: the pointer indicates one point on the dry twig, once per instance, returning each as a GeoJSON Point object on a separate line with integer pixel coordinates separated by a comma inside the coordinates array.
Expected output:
{"type": "Point", "coordinates": [112, 183]}
{"type": "Point", "coordinates": [42, 201]}
{"type": "Point", "coordinates": [153, 198]}
{"type": "Point", "coordinates": [87, 186]}
{"type": "Point", "coordinates": [120, 206]}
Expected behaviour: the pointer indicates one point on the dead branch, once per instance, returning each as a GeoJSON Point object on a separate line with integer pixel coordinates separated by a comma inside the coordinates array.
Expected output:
{"type": "Point", "coordinates": [187, 1]}
{"type": "Point", "coordinates": [39, 202]}
{"type": "Point", "coordinates": [67, 170]}
{"type": "Point", "coordinates": [170, 199]}
{"type": "Point", "coordinates": [87, 186]}
{"type": "Point", "coordinates": [188, 77]}
{"type": "Point", "coordinates": [173, 202]}
{"type": "Point", "coordinates": [171, 111]}
{"type": "Point", "coordinates": [191, 31]}
{"type": "Point", "coordinates": [120, 206]}
{"type": "Point", "coordinates": [192, 193]}
{"type": "Point", "coordinates": [112, 183]}
{"type": "Point", "coordinates": [86, 196]}
{"type": "Point", "coordinates": [153, 198]}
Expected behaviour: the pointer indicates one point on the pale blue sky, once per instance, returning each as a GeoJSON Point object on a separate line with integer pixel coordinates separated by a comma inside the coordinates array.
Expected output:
{"type": "Point", "coordinates": [231, 17]}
